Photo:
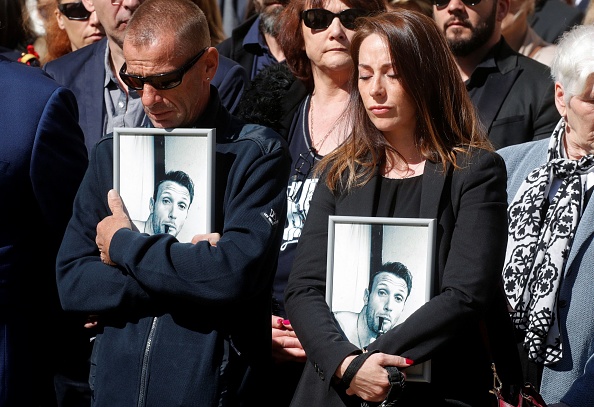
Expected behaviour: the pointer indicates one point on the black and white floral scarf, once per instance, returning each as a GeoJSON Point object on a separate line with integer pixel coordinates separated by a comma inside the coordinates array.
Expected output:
{"type": "Point", "coordinates": [538, 246]}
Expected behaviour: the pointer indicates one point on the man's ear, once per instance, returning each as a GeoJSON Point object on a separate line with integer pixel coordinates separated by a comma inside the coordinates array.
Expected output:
{"type": "Point", "coordinates": [59, 16]}
{"type": "Point", "coordinates": [89, 5]}
{"type": "Point", "coordinates": [211, 62]}
{"type": "Point", "coordinates": [151, 204]}
{"type": "Point", "coordinates": [502, 9]}
{"type": "Point", "coordinates": [560, 99]}
{"type": "Point", "coordinates": [366, 296]}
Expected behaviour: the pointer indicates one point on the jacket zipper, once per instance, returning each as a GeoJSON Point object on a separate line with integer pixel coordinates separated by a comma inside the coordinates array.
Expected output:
{"type": "Point", "coordinates": [145, 362]}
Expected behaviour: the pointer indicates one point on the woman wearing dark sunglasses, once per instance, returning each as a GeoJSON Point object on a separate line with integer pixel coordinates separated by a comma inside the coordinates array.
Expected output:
{"type": "Point", "coordinates": [68, 26]}
{"type": "Point", "coordinates": [416, 150]}
{"type": "Point", "coordinates": [316, 40]}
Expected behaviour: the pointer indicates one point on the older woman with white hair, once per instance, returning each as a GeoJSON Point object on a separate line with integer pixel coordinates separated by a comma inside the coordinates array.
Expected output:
{"type": "Point", "coordinates": [549, 267]}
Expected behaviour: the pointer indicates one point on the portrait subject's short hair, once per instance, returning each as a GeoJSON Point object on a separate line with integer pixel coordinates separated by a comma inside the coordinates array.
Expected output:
{"type": "Point", "coordinates": [178, 177]}
{"type": "Point", "coordinates": [396, 268]}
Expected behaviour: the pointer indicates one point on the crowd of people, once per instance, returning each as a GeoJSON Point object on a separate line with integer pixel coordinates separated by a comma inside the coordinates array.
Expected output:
{"type": "Point", "coordinates": [477, 114]}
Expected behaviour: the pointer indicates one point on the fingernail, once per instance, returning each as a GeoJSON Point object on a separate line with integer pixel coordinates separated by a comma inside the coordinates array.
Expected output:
{"type": "Point", "coordinates": [279, 321]}
{"type": "Point", "coordinates": [286, 322]}
{"type": "Point", "coordinates": [409, 361]}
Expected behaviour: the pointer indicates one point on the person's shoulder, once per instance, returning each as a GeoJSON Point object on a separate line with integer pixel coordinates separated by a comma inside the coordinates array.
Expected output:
{"type": "Point", "coordinates": [103, 149]}
{"type": "Point", "coordinates": [18, 78]}
{"type": "Point", "coordinates": [264, 137]}
{"type": "Point", "coordinates": [474, 156]}
{"type": "Point", "coordinates": [519, 152]}
{"type": "Point", "coordinates": [534, 69]}
{"type": "Point", "coordinates": [71, 62]}
{"type": "Point", "coordinates": [530, 70]}
{"type": "Point", "coordinates": [227, 65]}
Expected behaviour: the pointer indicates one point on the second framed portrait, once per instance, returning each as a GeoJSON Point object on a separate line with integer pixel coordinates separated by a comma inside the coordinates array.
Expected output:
{"type": "Point", "coordinates": [166, 179]}
{"type": "Point", "coordinates": [379, 272]}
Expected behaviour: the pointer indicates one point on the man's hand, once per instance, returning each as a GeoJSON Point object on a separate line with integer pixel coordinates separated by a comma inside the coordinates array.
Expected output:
{"type": "Point", "coordinates": [285, 345]}
{"type": "Point", "coordinates": [111, 224]}
{"type": "Point", "coordinates": [212, 238]}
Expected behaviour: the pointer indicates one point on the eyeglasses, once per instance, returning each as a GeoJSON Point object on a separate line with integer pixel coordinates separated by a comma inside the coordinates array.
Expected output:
{"type": "Point", "coordinates": [443, 3]}
{"type": "Point", "coordinates": [160, 81]}
{"type": "Point", "coordinates": [320, 19]}
{"type": "Point", "coordinates": [74, 11]}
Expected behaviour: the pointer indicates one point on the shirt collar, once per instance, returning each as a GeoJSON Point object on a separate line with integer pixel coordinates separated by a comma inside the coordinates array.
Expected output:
{"type": "Point", "coordinates": [254, 41]}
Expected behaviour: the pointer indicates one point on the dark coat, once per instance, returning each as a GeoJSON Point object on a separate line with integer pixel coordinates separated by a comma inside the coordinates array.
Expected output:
{"type": "Point", "coordinates": [42, 161]}
{"type": "Point", "coordinates": [188, 299]}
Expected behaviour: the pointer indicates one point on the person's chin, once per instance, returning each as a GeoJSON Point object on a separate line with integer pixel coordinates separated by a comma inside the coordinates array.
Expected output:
{"type": "Point", "coordinates": [163, 122]}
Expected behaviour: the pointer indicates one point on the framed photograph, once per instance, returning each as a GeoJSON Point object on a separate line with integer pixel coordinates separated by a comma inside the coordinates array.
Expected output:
{"type": "Point", "coordinates": [166, 179]}
{"type": "Point", "coordinates": [379, 272]}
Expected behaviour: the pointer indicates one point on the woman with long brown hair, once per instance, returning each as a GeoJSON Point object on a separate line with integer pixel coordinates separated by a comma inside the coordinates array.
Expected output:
{"type": "Point", "coordinates": [416, 150]}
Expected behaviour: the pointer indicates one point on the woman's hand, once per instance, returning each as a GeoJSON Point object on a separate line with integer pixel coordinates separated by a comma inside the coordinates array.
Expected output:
{"type": "Point", "coordinates": [285, 344]}
{"type": "Point", "coordinates": [371, 381]}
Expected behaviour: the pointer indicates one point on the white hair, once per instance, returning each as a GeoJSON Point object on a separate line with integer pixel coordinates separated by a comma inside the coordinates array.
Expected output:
{"type": "Point", "coordinates": [574, 60]}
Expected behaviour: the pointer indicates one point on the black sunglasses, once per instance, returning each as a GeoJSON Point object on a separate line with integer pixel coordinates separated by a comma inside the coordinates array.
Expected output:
{"type": "Point", "coordinates": [160, 81]}
{"type": "Point", "coordinates": [320, 19]}
{"type": "Point", "coordinates": [74, 11]}
{"type": "Point", "coordinates": [443, 3]}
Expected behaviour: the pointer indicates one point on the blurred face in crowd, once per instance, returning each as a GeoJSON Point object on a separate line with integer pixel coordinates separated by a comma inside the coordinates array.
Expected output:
{"type": "Point", "coordinates": [468, 28]}
{"type": "Point", "coordinates": [387, 103]}
{"type": "Point", "coordinates": [113, 16]}
{"type": "Point", "coordinates": [81, 31]}
{"type": "Point", "coordinates": [270, 11]}
{"type": "Point", "coordinates": [181, 105]}
{"type": "Point", "coordinates": [329, 48]}
{"type": "Point", "coordinates": [170, 209]}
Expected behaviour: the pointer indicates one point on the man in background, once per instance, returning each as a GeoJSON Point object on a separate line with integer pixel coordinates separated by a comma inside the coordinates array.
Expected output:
{"type": "Point", "coordinates": [513, 94]}
{"type": "Point", "coordinates": [253, 44]}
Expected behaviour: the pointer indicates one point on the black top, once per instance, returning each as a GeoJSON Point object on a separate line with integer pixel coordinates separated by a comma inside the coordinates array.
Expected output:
{"type": "Point", "coordinates": [400, 198]}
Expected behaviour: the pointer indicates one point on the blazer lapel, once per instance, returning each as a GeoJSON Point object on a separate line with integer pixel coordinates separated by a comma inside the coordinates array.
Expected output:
{"type": "Point", "coordinates": [493, 94]}
{"type": "Point", "coordinates": [94, 105]}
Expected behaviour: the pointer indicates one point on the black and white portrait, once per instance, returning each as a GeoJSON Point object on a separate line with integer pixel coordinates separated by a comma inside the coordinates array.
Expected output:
{"type": "Point", "coordinates": [379, 273]}
{"type": "Point", "coordinates": [165, 178]}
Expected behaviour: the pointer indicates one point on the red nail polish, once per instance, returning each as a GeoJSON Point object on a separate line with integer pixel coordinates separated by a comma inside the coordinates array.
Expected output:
{"type": "Point", "coordinates": [410, 361]}
{"type": "Point", "coordinates": [279, 321]}
{"type": "Point", "coordinates": [286, 322]}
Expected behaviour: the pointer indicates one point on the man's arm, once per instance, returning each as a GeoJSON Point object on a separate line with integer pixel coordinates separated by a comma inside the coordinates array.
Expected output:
{"type": "Point", "coordinates": [239, 267]}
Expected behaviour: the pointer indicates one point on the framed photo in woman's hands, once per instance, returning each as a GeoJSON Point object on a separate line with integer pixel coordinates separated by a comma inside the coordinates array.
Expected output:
{"type": "Point", "coordinates": [379, 272]}
{"type": "Point", "coordinates": [166, 178]}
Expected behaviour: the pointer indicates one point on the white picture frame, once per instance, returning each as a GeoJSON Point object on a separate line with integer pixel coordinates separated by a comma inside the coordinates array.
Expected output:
{"type": "Point", "coordinates": [359, 246]}
{"type": "Point", "coordinates": [142, 157]}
